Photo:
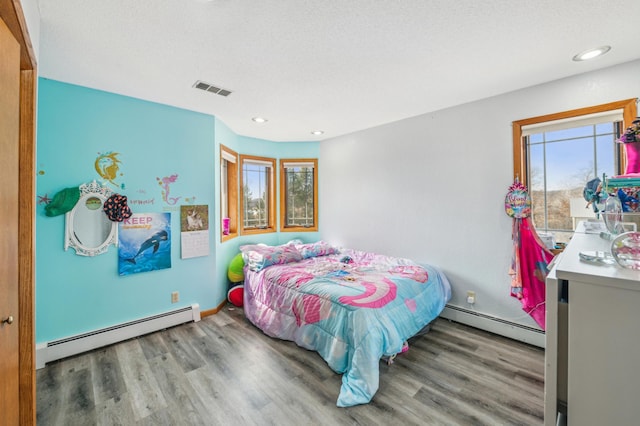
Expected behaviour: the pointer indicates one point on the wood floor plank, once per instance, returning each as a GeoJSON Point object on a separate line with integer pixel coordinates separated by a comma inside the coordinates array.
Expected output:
{"type": "Point", "coordinates": [49, 406]}
{"type": "Point", "coordinates": [227, 403]}
{"type": "Point", "coordinates": [65, 392]}
{"type": "Point", "coordinates": [491, 369]}
{"type": "Point", "coordinates": [116, 411]}
{"type": "Point", "coordinates": [108, 381]}
{"type": "Point", "coordinates": [153, 345]}
{"type": "Point", "coordinates": [487, 374]}
{"type": "Point", "coordinates": [76, 393]}
{"type": "Point", "coordinates": [177, 390]}
{"type": "Point", "coordinates": [224, 371]}
{"type": "Point", "coordinates": [146, 396]}
{"type": "Point", "coordinates": [163, 417]}
{"type": "Point", "coordinates": [179, 339]}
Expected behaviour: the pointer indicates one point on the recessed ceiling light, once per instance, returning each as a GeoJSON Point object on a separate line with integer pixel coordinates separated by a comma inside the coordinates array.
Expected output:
{"type": "Point", "coordinates": [259, 119]}
{"type": "Point", "coordinates": [591, 53]}
{"type": "Point", "coordinates": [317, 132]}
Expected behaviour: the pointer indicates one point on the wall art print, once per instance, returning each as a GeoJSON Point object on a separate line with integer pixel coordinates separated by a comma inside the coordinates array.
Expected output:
{"type": "Point", "coordinates": [194, 231]}
{"type": "Point", "coordinates": [144, 243]}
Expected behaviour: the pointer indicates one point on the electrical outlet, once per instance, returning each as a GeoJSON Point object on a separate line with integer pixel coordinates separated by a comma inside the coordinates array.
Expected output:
{"type": "Point", "coordinates": [175, 297]}
{"type": "Point", "coordinates": [471, 297]}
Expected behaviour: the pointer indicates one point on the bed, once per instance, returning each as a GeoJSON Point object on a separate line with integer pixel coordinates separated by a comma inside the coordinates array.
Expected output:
{"type": "Point", "coordinates": [352, 307]}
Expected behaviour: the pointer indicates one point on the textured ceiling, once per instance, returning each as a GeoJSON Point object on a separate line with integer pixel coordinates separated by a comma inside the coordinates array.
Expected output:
{"type": "Point", "coordinates": [335, 65]}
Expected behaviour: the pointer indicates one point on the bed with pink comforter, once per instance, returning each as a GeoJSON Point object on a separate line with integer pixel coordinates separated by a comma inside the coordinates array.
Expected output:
{"type": "Point", "coordinates": [350, 306]}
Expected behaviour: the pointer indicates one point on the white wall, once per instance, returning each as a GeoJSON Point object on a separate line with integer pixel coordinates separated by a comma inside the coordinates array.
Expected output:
{"type": "Point", "coordinates": [432, 187]}
{"type": "Point", "coordinates": [32, 17]}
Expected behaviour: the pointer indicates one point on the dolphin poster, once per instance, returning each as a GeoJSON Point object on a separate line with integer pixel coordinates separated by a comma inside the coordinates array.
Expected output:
{"type": "Point", "coordinates": [144, 243]}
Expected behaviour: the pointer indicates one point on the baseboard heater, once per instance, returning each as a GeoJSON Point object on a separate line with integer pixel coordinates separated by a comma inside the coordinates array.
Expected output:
{"type": "Point", "coordinates": [62, 348]}
{"type": "Point", "coordinates": [524, 333]}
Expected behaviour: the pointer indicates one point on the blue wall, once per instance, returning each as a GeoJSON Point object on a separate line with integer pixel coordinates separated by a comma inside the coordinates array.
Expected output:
{"type": "Point", "coordinates": [244, 145]}
{"type": "Point", "coordinates": [75, 294]}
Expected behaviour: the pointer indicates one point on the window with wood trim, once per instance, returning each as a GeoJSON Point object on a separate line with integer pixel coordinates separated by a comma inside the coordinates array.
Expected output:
{"type": "Point", "coordinates": [556, 155]}
{"type": "Point", "coordinates": [228, 193]}
{"type": "Point", "coordinates": [257, 203]}
{"type": "Point", "coordinates": [299, 195]}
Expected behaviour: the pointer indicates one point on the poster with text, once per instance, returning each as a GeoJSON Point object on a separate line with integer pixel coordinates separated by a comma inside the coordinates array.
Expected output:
{"type": "Point", "coordinates": [144, 243]}
{"type": "Point", "coordinates": [194, 231]}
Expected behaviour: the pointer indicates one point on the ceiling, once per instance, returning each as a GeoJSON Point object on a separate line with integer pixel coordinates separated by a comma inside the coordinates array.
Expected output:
{"type": "Point", "coordinates": [332, 65]}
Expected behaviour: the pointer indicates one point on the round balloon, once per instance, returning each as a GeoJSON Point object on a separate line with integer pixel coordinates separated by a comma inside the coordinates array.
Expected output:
{"type": "Point", "coordinates": [517, 203]}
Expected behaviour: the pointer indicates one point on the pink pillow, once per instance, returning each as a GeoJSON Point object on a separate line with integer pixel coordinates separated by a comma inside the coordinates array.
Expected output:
{"type": "Point", "coordinates": [258, 257]}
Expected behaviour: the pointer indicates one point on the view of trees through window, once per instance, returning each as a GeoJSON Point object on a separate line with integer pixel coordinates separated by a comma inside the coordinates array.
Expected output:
{"type": "Point", "coordinates": [299, 196]}
{"type": "Point", "coordinates": [560, 163]}
{"type": "Point", "coordinates": [256, 182]}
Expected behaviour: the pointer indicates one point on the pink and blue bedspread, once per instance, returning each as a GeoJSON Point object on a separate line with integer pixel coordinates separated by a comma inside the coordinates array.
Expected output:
{"type": "Point", "coordinates": [352, 308]}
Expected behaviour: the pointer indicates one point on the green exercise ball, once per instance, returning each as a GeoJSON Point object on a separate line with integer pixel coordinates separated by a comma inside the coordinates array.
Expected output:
{"type": "Point", "coordinates": [235, 272]}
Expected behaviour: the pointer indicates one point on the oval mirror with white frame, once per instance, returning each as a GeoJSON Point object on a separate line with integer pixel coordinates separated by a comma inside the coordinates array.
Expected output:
{"type": "Point", "coordinates": [88, 230]}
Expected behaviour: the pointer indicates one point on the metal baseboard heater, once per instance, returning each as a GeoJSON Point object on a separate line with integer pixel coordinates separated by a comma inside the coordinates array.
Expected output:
{"type": "Point", "coordinates": [68, 346]}
{"type": "Point", "coordinates": [512, 330]}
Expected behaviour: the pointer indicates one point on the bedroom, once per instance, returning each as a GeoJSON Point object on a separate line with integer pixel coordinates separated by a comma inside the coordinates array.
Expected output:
{"type": "Point", "coordinates": [362, 175]}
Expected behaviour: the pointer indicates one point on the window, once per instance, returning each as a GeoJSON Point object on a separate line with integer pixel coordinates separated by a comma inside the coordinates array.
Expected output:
{"type": "Point", "coordinates": [299, 195]}
{"type": "Point", "coordinates": [257, 204]}
{"type": "Point", "coordinates": [556, 155]}
{"type": "Point", "coordinates": [228, 193]}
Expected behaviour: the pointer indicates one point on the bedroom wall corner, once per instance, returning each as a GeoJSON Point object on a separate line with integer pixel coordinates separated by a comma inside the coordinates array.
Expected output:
{"type": "Point", "coordinates": [225, 251]}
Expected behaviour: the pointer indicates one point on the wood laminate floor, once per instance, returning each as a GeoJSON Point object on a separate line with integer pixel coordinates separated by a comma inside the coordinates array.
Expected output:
{"type": "Point", "coordinates": [224, 371]}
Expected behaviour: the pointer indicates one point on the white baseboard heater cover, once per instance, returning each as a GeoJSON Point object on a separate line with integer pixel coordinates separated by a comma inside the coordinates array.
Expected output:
{"type": "Point", "coordinates": [62, 348]}
{"type": "Point", "coordinates": [495, 325]}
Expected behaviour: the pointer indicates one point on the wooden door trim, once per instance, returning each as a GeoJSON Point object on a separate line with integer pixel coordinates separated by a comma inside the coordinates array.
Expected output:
{"type": "Point", "coordinates": [26, 248]}
{"type": "Point", "coordinates": [12, 14]}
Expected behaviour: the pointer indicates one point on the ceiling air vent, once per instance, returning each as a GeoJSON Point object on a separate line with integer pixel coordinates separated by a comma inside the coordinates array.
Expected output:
{"type": "Point", "coordinates": [211, 88]}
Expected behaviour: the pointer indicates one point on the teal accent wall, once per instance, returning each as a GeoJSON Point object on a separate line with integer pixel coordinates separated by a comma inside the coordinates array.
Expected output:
{"type": "Point", "coordinates": [281, 150]}
{"type": "Point", "coordinates": [76, 294]}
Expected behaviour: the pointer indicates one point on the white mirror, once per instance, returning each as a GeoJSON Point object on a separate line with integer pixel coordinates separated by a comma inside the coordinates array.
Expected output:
{"type": "Point", "coordinates": [88, 230]}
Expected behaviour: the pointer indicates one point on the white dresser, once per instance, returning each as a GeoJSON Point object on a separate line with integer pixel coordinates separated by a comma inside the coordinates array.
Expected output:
{"type": "Point", "coordinates": [592, 357]}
